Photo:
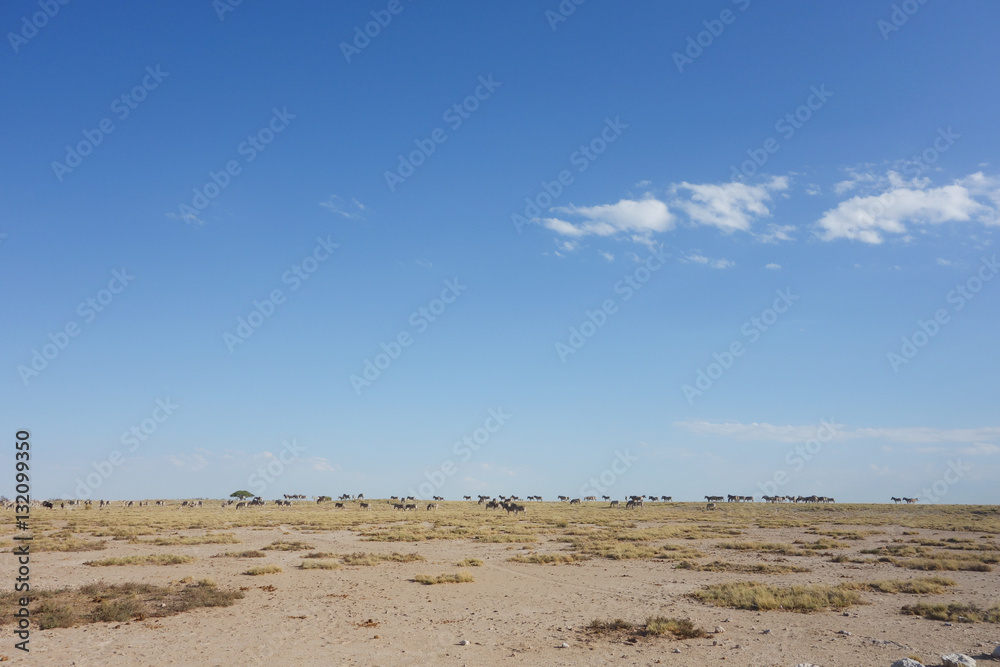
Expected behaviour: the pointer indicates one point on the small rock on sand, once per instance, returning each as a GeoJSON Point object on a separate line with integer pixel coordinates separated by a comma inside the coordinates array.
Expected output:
{"type": "Point", "coordinates": [719, 630]}
{"type": "Point", "coordinates": [996, 653]}
{"type": "Point", "coordinates": [564, 645]}
{"type": "Point", "coordinates": [957, 660]}
{"type": "Point", "coordinates": [907, 662]}
{"type": "Point", "coordinates": [464, 642]}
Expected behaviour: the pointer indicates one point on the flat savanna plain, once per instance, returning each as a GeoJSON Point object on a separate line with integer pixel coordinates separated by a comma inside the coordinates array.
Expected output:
{"type": "Point", "coordinates": [312, 584]}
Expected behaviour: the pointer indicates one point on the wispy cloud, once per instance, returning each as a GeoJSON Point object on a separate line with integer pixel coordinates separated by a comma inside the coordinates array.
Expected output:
{"type": "Point", "coordinates": [730, 207]}
{"type": "Point", "coordinates": [627, 217]}
{"type": "Point", "coordinates": [762, 431]}
{"type": "Point", "coordinates": [352, 210]}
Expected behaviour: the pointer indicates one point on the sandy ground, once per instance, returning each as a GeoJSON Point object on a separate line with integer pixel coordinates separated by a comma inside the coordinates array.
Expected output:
{"type": "Point", "coordinates": [516, 614]}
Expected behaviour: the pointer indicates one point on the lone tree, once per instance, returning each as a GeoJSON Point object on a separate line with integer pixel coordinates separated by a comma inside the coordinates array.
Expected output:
{"type": "Point", "coordinates": [242, 495]}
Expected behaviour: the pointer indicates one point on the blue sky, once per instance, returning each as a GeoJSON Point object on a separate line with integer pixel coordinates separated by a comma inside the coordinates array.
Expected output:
{"type": "Point", "coordinates": [798, 188]}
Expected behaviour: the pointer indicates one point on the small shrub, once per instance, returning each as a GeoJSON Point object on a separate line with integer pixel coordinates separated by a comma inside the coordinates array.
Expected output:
{"type": "Point", "coordinates": [263, 569]}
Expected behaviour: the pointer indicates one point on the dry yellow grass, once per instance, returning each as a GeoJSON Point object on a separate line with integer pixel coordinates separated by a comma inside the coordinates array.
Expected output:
{"type": "Point", "coordinates": [151, 559]}
{"type": "Point", "coordinates": [756, 596]}
{"type": "Point", "coordinates": [263, 569]}
{"type": "Point", "coordinates": [457, 578]}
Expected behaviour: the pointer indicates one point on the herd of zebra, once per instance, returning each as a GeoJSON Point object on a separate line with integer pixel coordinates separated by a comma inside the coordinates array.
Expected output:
{"type": "Point", "coordinates": [409, 503]}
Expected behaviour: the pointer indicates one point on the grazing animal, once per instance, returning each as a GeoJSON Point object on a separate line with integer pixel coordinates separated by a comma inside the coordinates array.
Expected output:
{"type": "Point", "coordinates": [47, 504]}
{"type": "Point", "coordinates": [492, 505]}
{"type": "Point", "coordinates": [575, 501]}
{"type": "Point", "coordinates": [366, 506]}
{"type": "Point", "coordinates": [338, 506]}
{"type": "Point", "coordinates": [563, 498]}
{"type": "Point", "coordinates": [398, 506]}
{"type": "Point", "coordinates": [667, 499]}
{"type": "Point", "coordinates": [614, 503]}
{"type": "Point", "coordinates": [240, 506]}
{"type": "Point", "coordinates": [467, 497]}
{"type": "Point", "coordinates": [714, 499]}
{"type": "Point", "coordinates": [590, 498]}
{"type": "Point", "coordinates": [411, 506]}
{"type": "Point", "coordinates": [710, 506]}
{"type": "Point", "coordinates": [910, 501]}
{"type": "Point", "coordinates": [432, 506]}
{"type": "Point", "coordinates": [896, 500]}
{"type": "Point", "coordinates": [515, 509]}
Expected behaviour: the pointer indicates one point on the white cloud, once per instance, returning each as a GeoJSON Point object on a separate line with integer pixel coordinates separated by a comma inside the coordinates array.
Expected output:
{"type": "Point", "coordinates": [608, 256]}
{"type": "Point", "coordinates": [697, 258]}
{"type": "Point", "coordinates": [633, 217]}
{"type": "Point", "coordinates": [728, 206]}
{"type": "Point", "coordinates": [353, 210]}
{"type": "Point", "coordinates": [772, 266]}
{"type": "Point", "coordinates": [943, 262]}
{"type": "Point", "coordinates": [776, 233]}
{"type": "Point", "coordinates": [869, 218]}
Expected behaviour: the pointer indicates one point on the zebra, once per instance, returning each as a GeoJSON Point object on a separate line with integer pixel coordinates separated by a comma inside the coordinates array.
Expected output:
{"type": "Point", "coordinates": [575, 501]}
{"type": "Point", "coordinates": [511, 507]}
{"type": "Point", "coordinates": [896, 500]}
{"type": "Point", "coordinates": [366, 506]}
{"type": "Point", "coordinates": [432, 506]}
{"type": "Point", "coordinates": [614, 503]}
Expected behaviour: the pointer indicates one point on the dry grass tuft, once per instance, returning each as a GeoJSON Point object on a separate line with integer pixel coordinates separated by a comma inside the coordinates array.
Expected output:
{"type": "Point", "coordinates": [923, 586]}
{"type": "Point", "coordinates": [469, 562]}
{"type": "Point", "coordinates": [320, 565]}
{"type": "Point", "coordinates": [762, 597]}
{"type": "Point", "coordinates": [151, 559]}
{"type": "Point", "coordinates": [120, 603]}
{"type": "Point", "coordinates": [457, 578]}
{"type": "Point", "coordinates": [263, 569]}
{"type": "Point", "coordinates": [954, 612]}
{"type": "Point", "coordinates": [242, 554]}
{"type": "Point", "coordinates": [547, 559]}
{"type": "Point", "coordinates": [282, 545]}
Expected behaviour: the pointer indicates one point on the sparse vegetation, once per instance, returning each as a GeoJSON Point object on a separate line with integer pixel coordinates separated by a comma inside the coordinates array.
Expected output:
{"type": "Point", "coordinates": [655, 626]}
{"type": "Point", "coordinates": [102, 602]}
{"type": "Point", "coordinates": [921, 586]}
{"type": "Point", "coordinates": [263, 569]}
{"type": "Point", "coordinates": [755, 568]}
{"type": "Point", "coordinates": [469, 562]}
{"type": "Point", "coordinates": [242, 554]}
{"type": "Point", "coordinates": [547, 559]}
{"type": "Point", "coordinates": [762, 597]}
{"type": "Point", "coordinates": [152, 559]}
{"type": "Point", "coordinates": [209, 538]}
{"type": "Point", "coordinates": [457, 578]}
{"type": "Point", "coordinates": [319, 565]}
{"type": "Point", "coordinates": [282, 545]}
{"type": "Point", "coordinates": [362, 558]}
{"type": "Point", "coordinates": [954, 612]}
